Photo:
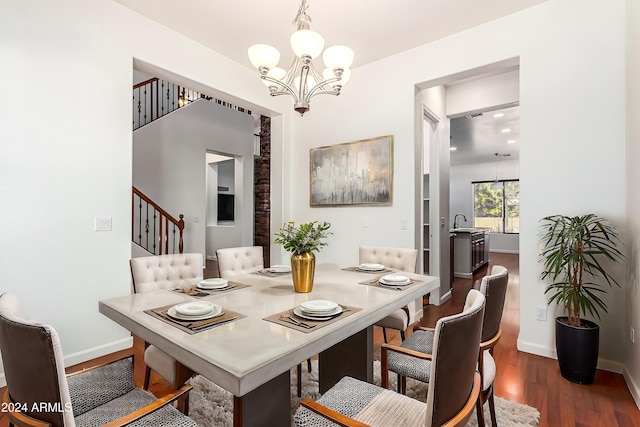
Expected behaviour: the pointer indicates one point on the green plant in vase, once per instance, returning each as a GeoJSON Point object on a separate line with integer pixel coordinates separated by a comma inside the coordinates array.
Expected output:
{"type": "Point", "coordinates": [574, 249]}
{"type": "Point", "coordinates": [302, 240]}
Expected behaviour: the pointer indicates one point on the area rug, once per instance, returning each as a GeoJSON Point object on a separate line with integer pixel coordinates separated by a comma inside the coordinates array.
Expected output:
{"type": "Point", "coordinates": [211, 406]}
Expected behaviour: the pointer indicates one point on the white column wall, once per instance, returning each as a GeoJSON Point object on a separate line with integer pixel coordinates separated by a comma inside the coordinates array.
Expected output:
{"type": "Point", "coordinates": [632, 282]}
{"type": "Point", "coordinates": [572, 107]}
{"type": "Point", "coordinates": [66, 153]}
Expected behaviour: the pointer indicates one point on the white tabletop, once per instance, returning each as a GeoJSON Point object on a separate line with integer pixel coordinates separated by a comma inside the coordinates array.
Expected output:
{"type": "Point", "coordinates": [244, 354]}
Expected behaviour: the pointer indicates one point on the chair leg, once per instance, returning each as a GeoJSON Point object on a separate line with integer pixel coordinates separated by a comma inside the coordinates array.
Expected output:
{"type": "Point", "coordinates": [147, 377]}
{"type": "Point", "coordinates": [185, 404]}
{"type": "Point", "coordinates": [402, 336]}
{"type": "Point", "coordinates": [309, 365]}
{"type": "Point", "coordinates": [384, 334]}
{"type": "Point", "coordinates": [480, 411]}
{"type": "Point", "coordinates": [403, 381]}
{"type": "Point", "coordinates": [399, 385]}
{"type": "Point", "coordinates": [299, 371]}
{"type": "Point", "coordinates": [492, 409]}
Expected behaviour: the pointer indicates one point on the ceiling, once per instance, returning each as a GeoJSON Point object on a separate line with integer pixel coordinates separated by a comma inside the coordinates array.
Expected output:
{"type": "Point", "coordinates": [478, 138]}
{"type": "Point", "coordinates": [374, 29]}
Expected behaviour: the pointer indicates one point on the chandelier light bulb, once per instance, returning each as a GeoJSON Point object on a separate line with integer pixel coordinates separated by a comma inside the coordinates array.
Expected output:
{"type": "Point", "coordinates": [338, 57]}
{"type": "Point", "coordinates": [275, 73]}
{"type": "Point", "coordinates": [328, 73]}
{"type": "Point", "coordinates": [263, 55]}
{"type": "Point", "coordinates": [307, 43]}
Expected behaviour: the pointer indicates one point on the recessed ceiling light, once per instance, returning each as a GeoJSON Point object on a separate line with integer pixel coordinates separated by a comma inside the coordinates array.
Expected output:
{"type": "Point", "coordinates": [453, 148]}
{"type": "Point", "coordinates": [511, 141]}
{"type": "Point", "coordinates": [498, 115]}
{"type": "Point", "coordinates": [505, 130]}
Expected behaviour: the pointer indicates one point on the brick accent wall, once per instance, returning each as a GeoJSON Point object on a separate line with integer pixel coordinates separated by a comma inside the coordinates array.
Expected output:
{"type": "Point", "coordinates": [262, 190]}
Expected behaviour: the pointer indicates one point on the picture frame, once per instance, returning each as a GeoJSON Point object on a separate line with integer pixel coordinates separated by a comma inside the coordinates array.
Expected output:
{"type": "Point", "coordinates": [358, 173]}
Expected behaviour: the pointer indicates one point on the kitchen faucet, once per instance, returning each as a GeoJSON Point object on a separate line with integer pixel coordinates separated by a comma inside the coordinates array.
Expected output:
{"type": "Point", "coordinates": [455, 219]}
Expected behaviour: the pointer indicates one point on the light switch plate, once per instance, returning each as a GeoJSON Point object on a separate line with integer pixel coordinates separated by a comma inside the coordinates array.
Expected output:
{"type": "Point", "coordinates": [102, 224]}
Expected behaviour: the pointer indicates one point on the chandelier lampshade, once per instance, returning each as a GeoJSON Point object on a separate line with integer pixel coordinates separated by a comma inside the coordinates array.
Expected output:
{"type": "Point", "coordinates": [301, 80]}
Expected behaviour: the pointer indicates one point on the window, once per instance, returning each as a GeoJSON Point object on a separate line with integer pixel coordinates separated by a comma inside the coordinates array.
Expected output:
{"type": "Point", "coordinates": [497, 208]}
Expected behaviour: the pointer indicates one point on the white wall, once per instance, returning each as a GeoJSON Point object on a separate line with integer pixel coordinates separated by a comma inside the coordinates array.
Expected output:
{"type": "Point", "coordinates": [570, 73]}
{"type": "Point", "coordinates": [169, 166]}
{"type": "Point", "coordinates": [632, 283]}
{"type": "Point", "coordinates": [70, 159]}
{"type": "Point", "coordinates": [479, 94]}
{"type": "Point", "coordinates": [462, 197]}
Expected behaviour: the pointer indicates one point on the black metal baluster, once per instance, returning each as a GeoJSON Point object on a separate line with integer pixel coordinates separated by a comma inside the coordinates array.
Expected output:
{"type": "Point", "coordinates": [146, 228]}
{"type": "Point", "coordinates": [155, 233]}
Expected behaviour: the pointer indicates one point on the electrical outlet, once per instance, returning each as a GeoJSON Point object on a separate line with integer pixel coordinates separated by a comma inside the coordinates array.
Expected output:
{"type": "Point", "coordinates": [541, 313]}
{"type": "Point", "coordinates": [632, 335]}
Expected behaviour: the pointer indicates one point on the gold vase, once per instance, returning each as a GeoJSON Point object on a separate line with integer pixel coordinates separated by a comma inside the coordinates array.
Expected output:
{"type": "Point", "coordinates": [303, 267]}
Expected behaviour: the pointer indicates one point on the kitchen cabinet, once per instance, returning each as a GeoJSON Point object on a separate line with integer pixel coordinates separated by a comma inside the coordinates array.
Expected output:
{"type": "Point", "coordinates": [471, 250]}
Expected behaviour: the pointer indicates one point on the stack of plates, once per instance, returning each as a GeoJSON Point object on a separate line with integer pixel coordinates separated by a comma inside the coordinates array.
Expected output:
{"type": "Point", "coordinates": [279, 269]}
{"type": "Point", "coordinates": [318, 310]}
{"type": "Point", "coordinates": [196, 310]}
{"type": "Point", "coordinates": [394, 280]}
{"type": "Point", "coordinates": [371, 267]}
{"type": "Point", "coordinates": [215, 283]}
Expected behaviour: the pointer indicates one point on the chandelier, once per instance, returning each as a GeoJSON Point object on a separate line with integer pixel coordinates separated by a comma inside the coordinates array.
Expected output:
{"type": "Point", "coordinates": [302, 81]}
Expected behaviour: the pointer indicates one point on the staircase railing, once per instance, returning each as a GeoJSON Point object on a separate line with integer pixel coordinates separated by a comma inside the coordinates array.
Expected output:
{"type": "Point", "coordinates": [153, 228]}
{"type": "Point", "coordinates": [155, 98]}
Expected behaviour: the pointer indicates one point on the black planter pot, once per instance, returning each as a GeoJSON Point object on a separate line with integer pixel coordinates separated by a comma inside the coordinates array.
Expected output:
{"type": "Point", "coordinates": [577, 349]}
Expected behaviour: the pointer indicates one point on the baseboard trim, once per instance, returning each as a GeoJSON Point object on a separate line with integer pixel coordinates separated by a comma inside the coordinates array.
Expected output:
{"type": "Point", "coordinates": [504, 251]}
{"type": "Point", "coordinates": [95, 352]}
{"type": "Point", "coordinates": [538, 350]}
{"type": "Point", "coordinates": [632, 386]}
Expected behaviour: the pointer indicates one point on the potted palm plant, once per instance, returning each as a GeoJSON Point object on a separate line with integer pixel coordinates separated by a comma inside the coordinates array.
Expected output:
{"type": "Point", "coordinates": [574, 249]}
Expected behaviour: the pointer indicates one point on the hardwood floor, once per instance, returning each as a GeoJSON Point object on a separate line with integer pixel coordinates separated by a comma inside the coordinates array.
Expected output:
{"type": "Point", "coordinates": [520, 377]}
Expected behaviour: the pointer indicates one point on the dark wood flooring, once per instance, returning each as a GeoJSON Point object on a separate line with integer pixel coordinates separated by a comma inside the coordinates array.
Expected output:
{"type": "Point", "coordinates": [521, 377]}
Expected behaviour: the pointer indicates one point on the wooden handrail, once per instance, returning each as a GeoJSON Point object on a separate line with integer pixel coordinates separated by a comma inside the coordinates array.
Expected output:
{"type": "Point", "coordinates": [164, 223]}
{"type": "Point", "coordinates": [146, 82]}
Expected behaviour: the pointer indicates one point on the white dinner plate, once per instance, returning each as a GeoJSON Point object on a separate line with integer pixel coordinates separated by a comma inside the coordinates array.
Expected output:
{"type": "Point", "coordinates": [371, 267]}
{"type": "Point", "coordinates": [214, 283]}
{"type": "Point", "coordinates": [195, 308]}
{"type": "Point", "coordinates": [318, 307]}
{"type": "Point", "coordinates": [385, 281]}
{"type": "Point", "coordinates": [279, 269]}
{"type": "Point", "coordinates": [298, 312]}
{"type": "Point", "coordinates": [217, 311]}
{"type": "Point", "coordinates": [395, 278]}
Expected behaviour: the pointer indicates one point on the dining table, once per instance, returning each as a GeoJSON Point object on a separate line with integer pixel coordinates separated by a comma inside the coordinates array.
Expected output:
{"type": "Point", "coordinates": [250, 353]}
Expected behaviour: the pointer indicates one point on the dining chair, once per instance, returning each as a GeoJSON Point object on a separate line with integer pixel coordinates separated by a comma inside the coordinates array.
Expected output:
{"type": "Point", "coordinates": [451, 397]}
{"type": "Point", "coordinates": [494, 288]}
{"type": "Point", "coordinates": [401, 259]}
{"type": "Point", "coordinates": [239, 260]}
{"type": "Point", "coordinates": [39, 393]}
{"type": "Point", "coordinates": [165, 272]}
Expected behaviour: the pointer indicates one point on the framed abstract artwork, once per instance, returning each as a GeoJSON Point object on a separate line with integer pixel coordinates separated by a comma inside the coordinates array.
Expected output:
{"type": "Point", "coordinates": [356, 173]}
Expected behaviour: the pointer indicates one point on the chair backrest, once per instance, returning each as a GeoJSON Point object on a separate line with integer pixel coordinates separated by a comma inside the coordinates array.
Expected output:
{"type": "Point", "coordinates": [402, 259]}
{"type": "Point", "coordinates": [456, 344]}
{"type": "Point", "coordinates": [33, 365]}
{"type": "Point", "coordinates": [166, 271]}
{"type": "Point", "coordinates": [494, 288]}
{"type": "Point", "coordinates": [235, 261]}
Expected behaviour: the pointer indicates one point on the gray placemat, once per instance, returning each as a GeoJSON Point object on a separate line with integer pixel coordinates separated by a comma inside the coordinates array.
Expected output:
{"type": "Point", "coordinates": [266, 272]}
{"type": "Point", "coordinates": [195, 291]}
{"type": "Point", "coordinates": [359, 270]}
{"type": "Point", "coordinates": [376, 282]}
{"type": "Point", "coordinates": [314, 324]}
{"type": "Point", "coordinates": [194, 326]}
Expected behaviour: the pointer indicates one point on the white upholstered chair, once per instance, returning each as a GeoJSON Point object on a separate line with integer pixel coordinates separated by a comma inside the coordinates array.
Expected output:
{"type": "Point", "coordinates": [494, 289]}
{"type": "Point", "coordinates": [35, 375]}
{"type": "Point", "coordinates": [165, 272]}
{"type": "Point", "coordinates": [401, 259]}
{"type": "Point", "coordinates": [240, 260]}
{"type": "Point", "coordinates": [451, 397]}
